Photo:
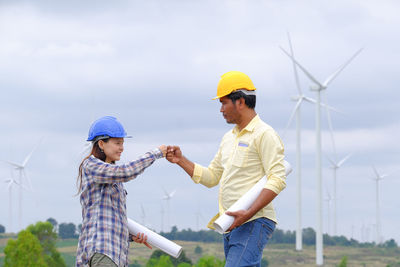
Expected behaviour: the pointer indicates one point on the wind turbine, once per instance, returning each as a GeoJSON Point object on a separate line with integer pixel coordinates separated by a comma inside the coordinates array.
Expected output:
{"type": "Point", "coordinates": [20, 168]}
{"type": "Point", "coordinates": [10, 183]}
{"type": "Point", "coordinates": [318, 87]}
{"type": "Point", "coordinates": [335, 165]}
{"type": "Point", "coordinates": [297, 111]}
{"type": "Point", "coordinates": [167, 197]}
{"type": "Point", "coordinates": [378, 177]}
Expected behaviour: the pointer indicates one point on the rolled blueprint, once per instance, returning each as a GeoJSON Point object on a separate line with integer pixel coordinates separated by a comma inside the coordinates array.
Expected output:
{"type": "Point", "coordinates": [225, 221]}
{"type": "Point", "coordinates": [155, 239]}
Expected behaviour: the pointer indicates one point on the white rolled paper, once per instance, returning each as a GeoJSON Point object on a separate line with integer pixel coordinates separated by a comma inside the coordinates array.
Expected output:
{"type": "Point", "coordinates": [225, 221]}
{"type": "Point", "coordinates": [155, 239]}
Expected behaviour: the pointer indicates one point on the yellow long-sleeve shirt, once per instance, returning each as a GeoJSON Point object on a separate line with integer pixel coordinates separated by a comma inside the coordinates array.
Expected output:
{"type": "Point", "coordinates": [243, 158]}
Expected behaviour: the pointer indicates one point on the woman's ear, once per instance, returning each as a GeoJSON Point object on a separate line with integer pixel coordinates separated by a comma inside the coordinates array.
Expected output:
{"type": "Point", "coordinates": [101, 144]}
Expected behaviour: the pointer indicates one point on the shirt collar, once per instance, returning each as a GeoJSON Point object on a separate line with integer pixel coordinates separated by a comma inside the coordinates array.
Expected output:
{"type": "Point", "coordinates": [249, 127]}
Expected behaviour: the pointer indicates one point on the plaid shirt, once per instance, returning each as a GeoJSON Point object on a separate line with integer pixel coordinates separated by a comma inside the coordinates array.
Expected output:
{"type": "Point", "coordinates": [103, 200]}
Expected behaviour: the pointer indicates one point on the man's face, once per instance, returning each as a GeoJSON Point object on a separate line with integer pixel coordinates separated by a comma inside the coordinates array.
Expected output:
{"type": "Point", "coordinates": [229, 110]}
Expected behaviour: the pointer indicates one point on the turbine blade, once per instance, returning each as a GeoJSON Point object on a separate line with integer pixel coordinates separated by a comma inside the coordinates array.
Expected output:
{"type": "Point", "coordinates": [165, 192]}
{"type": "Point", "coordinates": [309, 99]}
{"type": "Point", "coordinates": [30, 154]}
{"type": "Point", "coordinates": [141, 206]}
{"type": "Point", "coordinates": [331, 108]}
{"type": "Point", "coordinates": [296, 75]}
{"type": "Point", "coordinates": [336, 73]}
{"type": "Point", "coordinates": [329, 195]}
{"type": "Point", "coordinates": [328, 115]}
{"type": "Point", "coordinates": [296, 107]}
{"type": "Point", "coordinates": [13, 163]}
{"type": "Point", "coordinates": [384, 175]}
{"type": "Point", "coordinates": [28, 180]}
{"type": "Point", "coordinates": [331, 161]}
{"type": "Point", "coordinates": [172, 194]}
{"type": "Point", "coordinates": [344, 159]}
{"type": "Point", "coordinates": [302, 68]}
{"type": "Point", "coordinates": [376, 172]}
{"type": "Point", "coordinates": [86, 148]}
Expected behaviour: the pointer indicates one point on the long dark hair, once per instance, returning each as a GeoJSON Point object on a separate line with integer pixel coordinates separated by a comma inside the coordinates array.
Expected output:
{"type": "Point", "coordinates": [98, 153]}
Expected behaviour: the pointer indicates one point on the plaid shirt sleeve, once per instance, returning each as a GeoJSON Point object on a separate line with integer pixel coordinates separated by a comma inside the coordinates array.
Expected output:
{"type": "Point", "coordinates": [105, 173]}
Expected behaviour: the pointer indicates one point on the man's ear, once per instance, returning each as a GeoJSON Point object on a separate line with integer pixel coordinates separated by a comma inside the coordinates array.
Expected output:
{"type": "Point", "coordinates": [242, 102]}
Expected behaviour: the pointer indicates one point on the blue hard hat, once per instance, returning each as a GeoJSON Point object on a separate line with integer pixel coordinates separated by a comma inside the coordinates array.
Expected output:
{"type": "Point", "coordinates": [106, 127]}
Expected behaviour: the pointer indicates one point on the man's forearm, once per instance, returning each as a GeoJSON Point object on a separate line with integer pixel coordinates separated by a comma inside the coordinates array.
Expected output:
{"type": "Point", "coordinates": [265, 197]}
{"type": "Point", "coordinates": [186, 165]}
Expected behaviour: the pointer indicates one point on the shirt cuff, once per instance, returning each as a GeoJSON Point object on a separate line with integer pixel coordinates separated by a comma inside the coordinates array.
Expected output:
{"type": "Point", "coordinates": [197, 173]}
{"type": "Point", "coordinates": [275, 184]}
{"type": "Point", "coordinates": [157, 153]}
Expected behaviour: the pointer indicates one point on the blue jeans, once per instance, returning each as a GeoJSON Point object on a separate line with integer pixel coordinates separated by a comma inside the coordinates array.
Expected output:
{"type": "Point", "coordinates": [244, 245]}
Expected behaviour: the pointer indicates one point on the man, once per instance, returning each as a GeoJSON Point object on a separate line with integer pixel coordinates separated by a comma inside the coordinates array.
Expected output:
{"type": "Point", "coordinates": [249, 151]}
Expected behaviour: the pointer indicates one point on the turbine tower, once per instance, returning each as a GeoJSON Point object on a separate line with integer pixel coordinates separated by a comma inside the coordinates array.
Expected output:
{"type": "Point", "coordinates": [378, 177]}
{"type": "Point", "coordinates": [168, 197]}
{"type": "Point", "coordinates": [318, 87]}
{"type": "Point", "coordinates": [297, 111]}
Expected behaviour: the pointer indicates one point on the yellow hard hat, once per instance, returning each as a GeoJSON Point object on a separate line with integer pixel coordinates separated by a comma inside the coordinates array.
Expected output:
{"type": "Point", "coordinates": [231, 81]}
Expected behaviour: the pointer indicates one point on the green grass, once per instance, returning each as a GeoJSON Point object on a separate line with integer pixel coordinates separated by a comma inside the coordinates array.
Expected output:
{"type": "Point", "coordinates": [277, 254]}
{"type": "Point", "coordinates": [69, 258]}
{"type": "Point", "coordinates": [66, 243]}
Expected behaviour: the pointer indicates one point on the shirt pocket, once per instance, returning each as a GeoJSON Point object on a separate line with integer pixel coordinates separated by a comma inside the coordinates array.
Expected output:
{"type": "Point", "coordinates": [119, 192]}
{"type": "Point", "coordinates": [241, 154]}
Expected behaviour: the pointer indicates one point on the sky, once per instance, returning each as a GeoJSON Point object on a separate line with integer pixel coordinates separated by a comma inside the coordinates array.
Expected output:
{"type": "Point", "coordinates": [155, 65]}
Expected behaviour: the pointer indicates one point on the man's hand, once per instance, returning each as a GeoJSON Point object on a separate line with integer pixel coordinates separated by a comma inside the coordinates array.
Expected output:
{"type": "Point", "coordinates": [174, 154]}
{"type": "Point", "coordinates": [140, 238]}
{"type": "Point", "coordinates": [241, 216]}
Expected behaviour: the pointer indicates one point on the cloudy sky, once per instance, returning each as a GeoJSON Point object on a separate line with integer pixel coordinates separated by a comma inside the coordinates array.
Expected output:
{"type": "Point", "coordinates": [155, 66]}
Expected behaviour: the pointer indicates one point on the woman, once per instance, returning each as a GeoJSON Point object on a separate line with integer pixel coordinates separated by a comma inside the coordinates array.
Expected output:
{"type": "Point", "coordinates": [104, 236]}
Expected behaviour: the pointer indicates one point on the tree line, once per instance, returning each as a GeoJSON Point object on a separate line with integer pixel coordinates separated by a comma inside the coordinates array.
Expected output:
{"type": "Point", "coordinates": [278, 237]}
{"type": "Point", "coordinates": [70, 230]}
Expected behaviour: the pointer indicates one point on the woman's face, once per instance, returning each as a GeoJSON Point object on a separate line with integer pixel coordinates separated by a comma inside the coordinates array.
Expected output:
{"type": "Point", "coordinates": [113, 149]}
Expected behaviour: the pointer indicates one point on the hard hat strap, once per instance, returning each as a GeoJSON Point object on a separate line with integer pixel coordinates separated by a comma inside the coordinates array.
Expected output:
{"type": "Point", "coordinates": [246, 92]}
{"type": "Point", "coordinates": [100, 137]}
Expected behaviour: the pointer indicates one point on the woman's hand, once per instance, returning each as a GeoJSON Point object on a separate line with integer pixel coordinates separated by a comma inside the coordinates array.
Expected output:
{"type": "Point", "coordinates": [140, 238]}
{"type": "Point", "coordinates": [163, 149]}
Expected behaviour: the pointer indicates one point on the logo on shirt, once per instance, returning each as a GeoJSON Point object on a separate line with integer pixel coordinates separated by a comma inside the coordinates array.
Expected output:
{"type": "Point", "coordinates": [243, 144]}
